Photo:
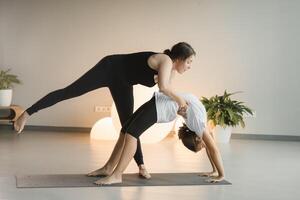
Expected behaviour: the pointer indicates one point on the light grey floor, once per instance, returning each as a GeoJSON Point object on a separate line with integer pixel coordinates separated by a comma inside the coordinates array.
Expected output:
{"type": "Point", "coordinates": [257, 169]}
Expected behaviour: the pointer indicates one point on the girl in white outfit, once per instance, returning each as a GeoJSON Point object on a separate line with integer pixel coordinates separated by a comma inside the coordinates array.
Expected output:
{"type": "Point", "coordinates": [159, 109]}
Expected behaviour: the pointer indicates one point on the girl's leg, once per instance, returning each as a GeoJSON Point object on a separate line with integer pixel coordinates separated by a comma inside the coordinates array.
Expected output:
{"type": "Point", "coordinates": [141, 120]}
{"type": "Point", "coordinates": [96, 77]}
{"type": "Point", "coordinates": [109, 166]}
{"type": "Point", "coordinates": [115, 156]}
{"type": "Point", "coordinates": [123, 98]}
{"type": "Point", "coordinates": [127, 155]}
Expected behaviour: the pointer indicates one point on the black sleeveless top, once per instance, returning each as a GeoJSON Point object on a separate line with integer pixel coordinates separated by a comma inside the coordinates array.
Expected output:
{"type": "Point", "coordinates": [133, 68]}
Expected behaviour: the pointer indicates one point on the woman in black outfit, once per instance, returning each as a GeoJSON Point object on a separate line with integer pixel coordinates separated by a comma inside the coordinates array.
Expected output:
{"type": "Point", "coordinates": [119, 73]}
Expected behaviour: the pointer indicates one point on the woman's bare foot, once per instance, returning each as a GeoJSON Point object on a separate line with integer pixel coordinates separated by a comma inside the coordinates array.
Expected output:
{"type": "Point", "coordinates": [215, 179]}
{"type": "Point", "coordinates": [100, 172]}
{"type": "Point", "coordinates": [143, 172]}
{"type": "Point", "coordinates": [112, 179]}
{"type": "Point", "coordinates": [20, 122]}
{"type": "Point", "coordinates": [208, 174]}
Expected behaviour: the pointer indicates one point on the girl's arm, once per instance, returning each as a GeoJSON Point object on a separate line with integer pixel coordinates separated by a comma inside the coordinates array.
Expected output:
{"type": "Point", "coordinates": [209, 156]}
{"type": "Point", "coordinates": [215, 156]}
{"type": "Point", "coordinates": [213, 173]}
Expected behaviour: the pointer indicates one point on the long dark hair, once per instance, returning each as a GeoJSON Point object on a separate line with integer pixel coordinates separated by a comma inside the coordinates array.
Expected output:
{"type": "Point", "coordinates": [181, 51]}
{"type": "Point", "coordinates": [187, 137]}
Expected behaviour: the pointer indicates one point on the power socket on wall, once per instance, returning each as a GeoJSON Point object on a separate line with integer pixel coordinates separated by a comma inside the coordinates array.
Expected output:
{"type": "Point", "coordinates": [103, 109]}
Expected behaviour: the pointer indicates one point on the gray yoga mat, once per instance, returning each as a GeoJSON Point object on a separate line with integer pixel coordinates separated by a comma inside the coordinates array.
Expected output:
{"type": "Point", "coordinates": [81, 180]}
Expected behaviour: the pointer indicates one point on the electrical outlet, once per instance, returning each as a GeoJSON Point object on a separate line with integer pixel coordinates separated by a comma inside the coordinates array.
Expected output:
{"type": "Point", "coordinates": [247, 115]}
{"type": "Point", "coordinates": [102, 108]}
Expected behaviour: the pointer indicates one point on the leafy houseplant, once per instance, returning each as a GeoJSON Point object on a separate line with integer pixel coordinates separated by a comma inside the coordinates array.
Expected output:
{"type": "Point", "coordinates": [6, 84]}
{"type": "Point", "coordinates": [225, 112]}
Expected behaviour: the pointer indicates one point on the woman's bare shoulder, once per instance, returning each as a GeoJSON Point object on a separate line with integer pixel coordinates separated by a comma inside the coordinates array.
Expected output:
{"type": "Point", "coordinates": [156, 60]}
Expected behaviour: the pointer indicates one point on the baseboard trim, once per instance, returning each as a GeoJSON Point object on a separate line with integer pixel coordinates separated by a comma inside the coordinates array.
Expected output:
{"type": "Point", "coordinates": [88, 130]}
{"type": "Point", "coordinates": [265, 137]}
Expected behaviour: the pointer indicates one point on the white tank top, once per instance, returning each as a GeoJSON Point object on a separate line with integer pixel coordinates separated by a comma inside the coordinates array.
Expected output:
{"type": "Point", "coordinates": [167, 108]}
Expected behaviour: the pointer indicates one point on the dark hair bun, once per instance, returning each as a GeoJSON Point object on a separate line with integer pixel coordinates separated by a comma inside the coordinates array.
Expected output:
{"type": "Point", "coordinates": [167, 51]}
{"type": "Point", "coordinates": [181, 51]}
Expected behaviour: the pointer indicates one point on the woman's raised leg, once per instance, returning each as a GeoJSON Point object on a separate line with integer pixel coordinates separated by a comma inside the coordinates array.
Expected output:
{"type": "Point", "coordinates": [95, 78]}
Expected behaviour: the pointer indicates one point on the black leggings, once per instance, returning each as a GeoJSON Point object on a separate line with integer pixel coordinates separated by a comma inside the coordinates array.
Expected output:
{"type": "Point", "coordinates": [143, 118]}
{"type": "Point", "coordinates": [98, 76]}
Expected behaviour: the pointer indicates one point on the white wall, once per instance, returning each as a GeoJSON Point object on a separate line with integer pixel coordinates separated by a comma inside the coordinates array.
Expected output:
{"type": "Point", "coordinates": [1, 34]}
{"type": "Point", "coordinates": [241, 45]}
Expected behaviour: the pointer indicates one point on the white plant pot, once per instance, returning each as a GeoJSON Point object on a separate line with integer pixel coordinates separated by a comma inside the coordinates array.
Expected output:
{"type": "Point", "coordinates": [222, 135]}
{"type": "Point", "coordinates": [5, 97]}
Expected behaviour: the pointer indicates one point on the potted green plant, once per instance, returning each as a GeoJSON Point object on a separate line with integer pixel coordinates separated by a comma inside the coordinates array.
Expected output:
{"type": "Point", "coordinates": [223, 113]}
{"type": "Point", "coordinates": [6, 84]}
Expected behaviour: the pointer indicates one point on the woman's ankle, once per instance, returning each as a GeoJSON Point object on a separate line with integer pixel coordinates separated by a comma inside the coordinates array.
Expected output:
{"type": "Point", "coordinates": [142, 167]}
{"type": "Point", "coordinates": [25, 114]}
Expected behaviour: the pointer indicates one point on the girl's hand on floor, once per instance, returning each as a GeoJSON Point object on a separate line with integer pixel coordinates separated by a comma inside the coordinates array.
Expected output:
{"type": "Point", "coordinates": [208, 174]}
{"type": "Point", "coordinates": [215, 179]}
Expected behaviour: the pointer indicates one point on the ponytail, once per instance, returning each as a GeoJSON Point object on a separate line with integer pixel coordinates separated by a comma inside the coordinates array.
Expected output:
{"type": "Point", "coordinates": [181, 50]}
{"type": "Point", "coordinates": [167, 52]}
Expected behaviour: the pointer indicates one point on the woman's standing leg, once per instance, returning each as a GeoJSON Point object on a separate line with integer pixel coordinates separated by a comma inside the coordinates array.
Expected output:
{"type": "Point", "coordinates": [124, 101]}
{"type": "Point", "coordinates": [95, 78]}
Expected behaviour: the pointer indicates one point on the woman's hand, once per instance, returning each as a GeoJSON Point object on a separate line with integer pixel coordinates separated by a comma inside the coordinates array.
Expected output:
{"type": "Point", "coordinates": [182, 109]}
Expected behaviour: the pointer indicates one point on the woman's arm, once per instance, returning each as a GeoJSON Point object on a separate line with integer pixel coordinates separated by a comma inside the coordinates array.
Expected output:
{"type": "Point", "coordinates": [215, 156]}
{"type": "Point", "coordinates": [164, 78]}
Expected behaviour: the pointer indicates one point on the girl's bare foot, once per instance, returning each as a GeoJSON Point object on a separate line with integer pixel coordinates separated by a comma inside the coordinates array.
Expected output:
{"type": "Point", "coordinates": [208, 174]}
{"type": "Point", "coordinates": [20, 122]}
{"type": "Point", "coordinates": [143, 172]}
{"type": "Point", "coordinates": [100, 172]}
{"type": "Point", "coordinates": [112, 179]}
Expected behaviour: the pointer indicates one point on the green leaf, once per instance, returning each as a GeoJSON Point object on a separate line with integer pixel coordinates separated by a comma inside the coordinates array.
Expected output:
{"type": "Point", "coordinates": [242, 123]}
{"type": "Point", "coordinates": [8, 80]}
{"type": "Point", "coordinates": [222, 110]}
